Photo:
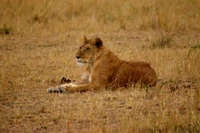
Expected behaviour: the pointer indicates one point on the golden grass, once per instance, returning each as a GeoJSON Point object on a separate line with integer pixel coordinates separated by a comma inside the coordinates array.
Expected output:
{"type": "Point", "coordinates": [38, 42]}
{"type": "Point", "coordinates": [60, 15]}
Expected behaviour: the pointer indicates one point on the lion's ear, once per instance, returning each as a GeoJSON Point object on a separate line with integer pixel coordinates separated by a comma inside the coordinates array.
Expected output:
{"type": "Point", "coordinates": [98, 42]}
{"type": "Point", "coordinates": [84, 39]}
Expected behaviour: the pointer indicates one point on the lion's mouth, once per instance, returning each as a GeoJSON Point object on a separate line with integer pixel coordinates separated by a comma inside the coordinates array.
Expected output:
{"type": "Point", "coordinates": [80, 61]}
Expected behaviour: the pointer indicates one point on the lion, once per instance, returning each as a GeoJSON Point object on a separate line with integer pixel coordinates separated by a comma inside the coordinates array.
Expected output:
{"type": "Point", "coordinates": [105, 70]}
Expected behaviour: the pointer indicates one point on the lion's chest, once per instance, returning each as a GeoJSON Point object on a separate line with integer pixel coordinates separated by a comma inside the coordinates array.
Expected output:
{"type": "Point", "coordinates": [90, 78]}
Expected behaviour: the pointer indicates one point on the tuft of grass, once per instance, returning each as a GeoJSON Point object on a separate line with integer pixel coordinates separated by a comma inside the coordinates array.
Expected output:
{"type": "Point", "coordinates": [5, 30]}
{"type": "Point", "coordinates": [194, 48]}
{"type": "Point", "coordinates": [163, 41]}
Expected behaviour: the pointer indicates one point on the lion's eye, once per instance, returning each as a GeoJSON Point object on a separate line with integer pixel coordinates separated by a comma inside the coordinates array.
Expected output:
{"type": "Point", "coordinates": [87, 49]}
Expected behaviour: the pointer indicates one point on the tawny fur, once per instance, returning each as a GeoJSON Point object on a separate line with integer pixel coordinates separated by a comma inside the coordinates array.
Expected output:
{"type": "Point", "coordinates": [105, 70]}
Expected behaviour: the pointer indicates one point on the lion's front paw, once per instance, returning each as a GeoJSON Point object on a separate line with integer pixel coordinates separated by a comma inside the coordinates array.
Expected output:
{"type": "Point", "coordinates": [50, 90]}
{"type": "Point", "coordinates": [55, 90]}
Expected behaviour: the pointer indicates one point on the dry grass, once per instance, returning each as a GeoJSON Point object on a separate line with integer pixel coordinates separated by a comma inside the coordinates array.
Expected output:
{"type": "Point", "coordinates": [60, 16]}
{"type": "Point", "coordinates": [38, 41]}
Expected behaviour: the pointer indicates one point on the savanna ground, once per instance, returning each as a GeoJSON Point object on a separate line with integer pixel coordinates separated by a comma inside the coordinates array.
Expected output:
{"type": "Point", "coordinates": [38, 42]}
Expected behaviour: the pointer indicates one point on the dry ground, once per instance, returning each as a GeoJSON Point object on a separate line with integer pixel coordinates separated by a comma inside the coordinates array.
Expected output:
{"type": "Point", "coordinates": [38, 46]}
{"type": "Point", "coordinates": [29, 65]}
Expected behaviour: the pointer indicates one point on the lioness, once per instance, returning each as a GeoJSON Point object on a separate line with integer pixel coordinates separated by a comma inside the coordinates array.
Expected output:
{"type": "Point", "coordinates": [105, 70]}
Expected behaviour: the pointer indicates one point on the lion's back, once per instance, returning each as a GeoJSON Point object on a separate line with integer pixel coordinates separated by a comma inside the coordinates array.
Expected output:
{"type": "Point", "coordinates": [133, 72]}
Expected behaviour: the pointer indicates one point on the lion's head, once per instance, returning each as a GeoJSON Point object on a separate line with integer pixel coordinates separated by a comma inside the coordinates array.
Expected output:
{"type": "Point", "coordinates": [87, 52]}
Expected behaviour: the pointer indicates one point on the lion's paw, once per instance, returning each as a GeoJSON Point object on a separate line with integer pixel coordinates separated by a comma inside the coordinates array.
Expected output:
{"type": "Point", "coordinates": [53, 90]}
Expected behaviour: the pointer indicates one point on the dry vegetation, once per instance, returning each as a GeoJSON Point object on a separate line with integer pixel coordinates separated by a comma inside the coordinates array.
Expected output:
{"type": "Point", "coordinates": [38, 42]}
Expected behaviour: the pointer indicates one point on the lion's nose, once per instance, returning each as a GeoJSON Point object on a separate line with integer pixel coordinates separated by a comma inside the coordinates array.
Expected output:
{"type": "Point", "coordinates": [78, 57]}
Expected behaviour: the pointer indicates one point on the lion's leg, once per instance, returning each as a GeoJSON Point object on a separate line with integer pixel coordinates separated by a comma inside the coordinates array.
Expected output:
{"type": "Point", "coordinates": [61, 88]}
{"type": "Point", "coordinates": [86, 87]}
{"type": "Point", "coordinates": [80, 88]}
{"type": "Point", "coordinates": [56, 89]}
{"type": "Point", "coordinates": [70, 87]}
